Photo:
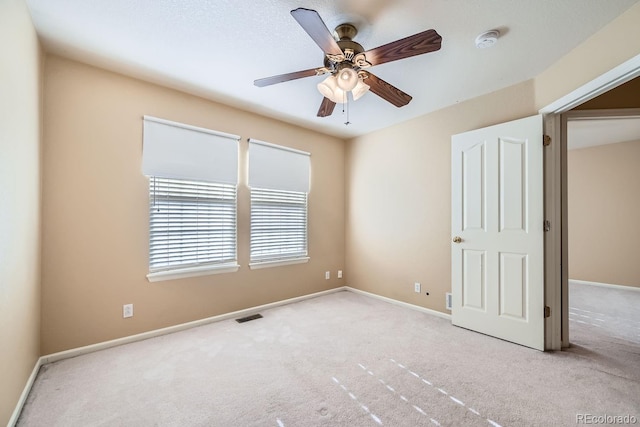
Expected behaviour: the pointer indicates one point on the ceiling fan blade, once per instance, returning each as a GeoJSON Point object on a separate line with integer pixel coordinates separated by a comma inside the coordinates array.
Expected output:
{"type": "Point", "coordinates": [417, 44]}
{"type": "Point", "coordinates": [313, 24]}
{"type": "Point", "coordinates": [326, 108]}
{"type": "Point", "coordinates": [285, 77]}
{"type": "Point", "coordinates": [387, 91]}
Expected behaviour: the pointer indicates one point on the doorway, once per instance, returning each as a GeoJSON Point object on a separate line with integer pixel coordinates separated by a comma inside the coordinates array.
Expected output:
{"type": "Point", "coordinates": [556, 251]}
{"type": "Point", "coordinates": [603, 183]}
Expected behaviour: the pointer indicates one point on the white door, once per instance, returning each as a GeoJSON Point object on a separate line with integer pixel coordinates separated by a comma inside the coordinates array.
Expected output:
{"type": "Point", "coordinates": [497, 226]}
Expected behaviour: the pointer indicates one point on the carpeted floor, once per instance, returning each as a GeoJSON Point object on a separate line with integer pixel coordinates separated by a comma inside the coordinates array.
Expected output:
{"type": "Point", "coordinates": [607, 313]}
{"type": "Point", "coordinates": [343, 360]}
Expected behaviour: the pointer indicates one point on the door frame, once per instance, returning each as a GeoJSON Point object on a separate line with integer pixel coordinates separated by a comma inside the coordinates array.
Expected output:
{"type": "Point", "coordinates": [555, 185]}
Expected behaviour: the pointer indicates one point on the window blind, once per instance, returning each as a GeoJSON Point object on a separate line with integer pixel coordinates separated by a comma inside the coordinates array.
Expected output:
{"type": "Point", "coordinates": [176, 150]}
{"type": "Point", "coordinates": [278, 168]}
{"type": "Point", "coordinates": [279, 181]}
{"type": "Point", "coordinates": [192, 223]}
{"type": "Point", "coordinates": [278, 225]}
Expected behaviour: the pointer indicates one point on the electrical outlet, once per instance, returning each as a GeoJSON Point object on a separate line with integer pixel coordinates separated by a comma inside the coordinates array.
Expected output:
{"type": "Point", "coordinates": [448, 302]}
{"type": "Point", "coordinates": [327, 275]}
{"type": "Point", "coordinates": [416, 287]}
{"type": "Point", "coordinates": [127, 310]}
{"type": "Point", "coordinates": [339, 274]}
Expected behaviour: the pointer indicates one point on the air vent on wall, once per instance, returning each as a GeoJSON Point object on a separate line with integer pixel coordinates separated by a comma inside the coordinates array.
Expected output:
{"type": "Point", "coordinates": [246, 319]}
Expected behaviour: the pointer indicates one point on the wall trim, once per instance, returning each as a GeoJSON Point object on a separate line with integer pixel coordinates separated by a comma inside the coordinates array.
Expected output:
{"type": "Point", "coordinates": [25, 394]}
{"type": "Point", "coordinates": [604, 285]}
{"type": "Point", "coordinates": [74, 352]}
{"type": "Point", "coordinates": [400, 303]}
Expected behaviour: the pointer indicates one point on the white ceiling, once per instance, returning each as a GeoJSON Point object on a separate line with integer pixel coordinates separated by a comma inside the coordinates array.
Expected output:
{"type": "Point", "coordinates": [583, 133]}
{"type": "Point", "coordinates": [217, 48]}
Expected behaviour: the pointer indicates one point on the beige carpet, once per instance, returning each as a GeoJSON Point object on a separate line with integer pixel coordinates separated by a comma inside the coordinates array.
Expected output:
{"type": "Point", "coordinates": [338, 360]}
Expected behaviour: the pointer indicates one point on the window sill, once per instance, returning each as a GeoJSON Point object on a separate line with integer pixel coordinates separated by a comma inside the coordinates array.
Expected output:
{"type": "Point", "coordinates": [182, 273]}
{"type": "Point", "coordinates": [277, 263]}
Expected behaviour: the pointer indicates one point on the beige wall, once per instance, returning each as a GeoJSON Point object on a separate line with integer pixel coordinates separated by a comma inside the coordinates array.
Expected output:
{"type": "Point", "coordinates": [95, 211]}
{"type": "Point", "coordinates": [19, 202]}
{"type": "Point", "coordinates": [624, 96]}
{"type": "Point", "coordinates": [603, 209]}
{"type": "Point", "coordinates": [399, 197]}
{"type": "Point", "coordinates": [614, 44]}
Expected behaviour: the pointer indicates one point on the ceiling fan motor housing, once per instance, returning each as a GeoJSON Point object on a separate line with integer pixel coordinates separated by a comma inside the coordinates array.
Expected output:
{"type": "Point", "coordinates": [345, 33]}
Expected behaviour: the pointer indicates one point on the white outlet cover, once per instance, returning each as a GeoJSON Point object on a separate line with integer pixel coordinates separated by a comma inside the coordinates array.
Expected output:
{"type": "Point", "coordinates": [327, 275]}
{"type": "Point", "coordinates": [127, 310]}
{"type": "Point", "coordinates": [416, 287]}
{"type": "Point", "coordinates": [339, 274]}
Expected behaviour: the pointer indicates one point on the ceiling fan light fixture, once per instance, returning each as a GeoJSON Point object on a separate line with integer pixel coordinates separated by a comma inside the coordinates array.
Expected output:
{"type": "Point", "coordinates": [347, 78]}
{"type": "Point", "coordinates": [328, 86]}
{"type": "Point", "coordinates": [360, 89]}
{"type": "Point", "coordinates": [339, 96]}
{"type": "Point", "coordinates": [329, 89]}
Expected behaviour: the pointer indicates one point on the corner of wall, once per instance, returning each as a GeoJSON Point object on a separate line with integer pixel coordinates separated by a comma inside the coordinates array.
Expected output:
{"type": "Point", "coordinates": [20, 211]}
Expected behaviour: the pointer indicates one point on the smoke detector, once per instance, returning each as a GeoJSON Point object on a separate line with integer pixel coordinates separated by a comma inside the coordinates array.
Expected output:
{"type": "Point", "coordinates": [487, 39]}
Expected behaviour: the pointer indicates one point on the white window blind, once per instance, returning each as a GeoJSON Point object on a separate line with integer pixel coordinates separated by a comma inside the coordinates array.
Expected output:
{"type": "Point", "coordinates": [279, 181]}
{"type": "Point", "coordinates": [278, 225]}
{"type": "Point", "coordinates": [192, 190]}
{"type": "Point", "coordinates": [278, 168]}
{"type": "Point", "coordinates": [179, 151]}
{"type": "Point", "coordinates": [192, 223]}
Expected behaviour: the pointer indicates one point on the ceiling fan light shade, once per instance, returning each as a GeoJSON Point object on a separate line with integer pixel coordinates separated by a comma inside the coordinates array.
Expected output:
{"type": "Point", "coordinates": [360, 89]}
{"type": "Point", "coordinates": [347, 79]}
{"type": "Point", "coordinates": [329, 89]}
{"type": "Point", "coordinates": [327, 86]}
{"type": "Point", "coordinates": [339, 96]}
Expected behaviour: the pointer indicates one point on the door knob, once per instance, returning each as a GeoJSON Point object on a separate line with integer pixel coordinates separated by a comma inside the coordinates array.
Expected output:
{"type": "Point", "coordinates": [457, 239]}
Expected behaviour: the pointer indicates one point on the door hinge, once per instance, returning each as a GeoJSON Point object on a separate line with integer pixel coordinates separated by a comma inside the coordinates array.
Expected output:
{"type": "Point", "coordinates": [546, 140]}
{"type": "Point", "coordinates": [547, 225]}
{"type": "Point", "coordinates": [547, 311]}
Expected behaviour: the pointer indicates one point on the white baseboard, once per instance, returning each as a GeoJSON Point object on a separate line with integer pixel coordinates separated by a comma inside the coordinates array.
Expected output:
{"type": "Point", "coordinates": [25, 394]}
{"type": "Point", "coordinates": [605, 285]}
{"type": "Point", "coordinates": [54, 357]}
{"type": "Point", "coordinates": [400, 303]}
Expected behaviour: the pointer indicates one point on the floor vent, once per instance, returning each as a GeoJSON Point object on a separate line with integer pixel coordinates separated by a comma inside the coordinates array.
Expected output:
{"type": "Point", "coordinates": [252, 317]}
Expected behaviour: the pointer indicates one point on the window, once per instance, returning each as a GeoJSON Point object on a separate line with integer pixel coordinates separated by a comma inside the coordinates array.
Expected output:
{"type": "Point", "coordinates": [279, 181]}
{"type": "Point", "coordinates": [278, 224]}
{"type": "Point", "coordinates": [192, 223]}
{"type": "Point", "coordinates": [193, 175]}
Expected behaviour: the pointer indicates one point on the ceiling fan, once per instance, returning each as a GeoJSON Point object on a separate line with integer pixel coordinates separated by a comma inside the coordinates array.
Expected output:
{"type": "Point", "coordinates": [347, 62]}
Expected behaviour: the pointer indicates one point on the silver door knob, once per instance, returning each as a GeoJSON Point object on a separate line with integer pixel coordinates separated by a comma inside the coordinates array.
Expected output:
{"type": "Point", "coordinates": [457, 239]}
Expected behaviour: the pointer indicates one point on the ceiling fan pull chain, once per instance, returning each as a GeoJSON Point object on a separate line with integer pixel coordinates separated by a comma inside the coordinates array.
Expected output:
{"type": "Point", "coordinates": [346, 102]}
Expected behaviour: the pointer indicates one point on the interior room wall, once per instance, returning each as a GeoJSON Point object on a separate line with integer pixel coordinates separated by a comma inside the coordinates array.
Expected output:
{"type": "Point", "coordinates": [399, 197]}
{"type": "Point", "coordinates": [95, 210]}
{"type": "Point", "coordinates": [603, 208]}
{"type": "Point", "coordinates": [626, 95]}
{"type": "Point", "coordinates": [19, 202]}
{"type": "Point", "coordinates": [614, 44]}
